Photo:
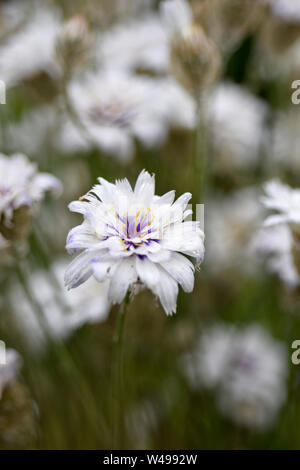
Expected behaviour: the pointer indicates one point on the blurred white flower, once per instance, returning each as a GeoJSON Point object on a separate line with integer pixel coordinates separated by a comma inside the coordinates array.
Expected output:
{"type": "Point", "coordinates": [10, 370]}
{"type": "Point", "coordinates": [63, 312]}
{"type": "Point", "coordinates": [254, 387]}
{"type": "Point", "coordinates": [284, 200]}
{"type": "Point", "coordinates": [238, 126]}
{"type": "Point", "coordinates": [130, 235]}
{"type": "Point", "coordinates": [21, 184]}
{"type": "Point", "coordinates": [248, 370]}
{"type": "Point", "coordinates": [135, 45]}
{"type": "Point", "coordinates": [12, 15]}
{"type": "Point", "coordinates": [285, 139]}
{"type": "Point", "coordinates": [206, 365]}
{"type": "Point", "coordinates": [288, 10]}
{"type": "Point", "coordinates": [115, 107]}
{"type": "Point", "coordinates": [275, 244]}
{"type": "Point", "coordinates": [30, 50]}
{"type": "Point", "coordinates": [231, 223]}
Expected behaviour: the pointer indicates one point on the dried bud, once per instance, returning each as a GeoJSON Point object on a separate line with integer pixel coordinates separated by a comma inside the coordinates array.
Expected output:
{"type": "Point", "coordinates": [17, 231]}
{"type": "Point", "coordinates": [18, 417]}
{"type": "Point", "coordinates": [73, 43]}
{"type": "Point", "coordinates": [195, 59]}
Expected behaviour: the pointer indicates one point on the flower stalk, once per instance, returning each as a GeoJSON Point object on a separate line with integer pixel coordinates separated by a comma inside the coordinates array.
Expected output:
{"type": "Point", "coordinates": [118, 381]}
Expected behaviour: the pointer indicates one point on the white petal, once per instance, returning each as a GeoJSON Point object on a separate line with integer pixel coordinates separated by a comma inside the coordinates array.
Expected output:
{"type": "Point", "coordinates": [82, 207]}
{"type": "Point", "coordinates": [46, 182]}
{"type": "Point", "coordinates": [185, 237]}
{"type": "Point", "coordinates": [124, 187]}
{"type": "Point", "coordinates": [81, 237]}
{"type": "Point", "coordinates": [167, 198]}
{"type": "Point", "coordinates": [159, 256]}
{"type": "Point", "coordinates": [106, 191]}
{"type": "Point", "coordinates": [124, 276]}
{"type": "Point", "coordinates": [181, 269]}
{"type": "Point", "coordinates": [80, 269]}
{"type": "Point", "coordinates": [102, 270]}
{"type": "Point", "coordinates": [275, 219]}
{"type": "Point", "coordinates": [147, 271]}
{"type": "Point", "coordinates": [144, 187]}
{"type": "Point", "coordinates": [167, 291]}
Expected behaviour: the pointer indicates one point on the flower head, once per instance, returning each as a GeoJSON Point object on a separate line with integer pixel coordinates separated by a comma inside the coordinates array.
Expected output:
{"type": "Point", "coordinates": [30, 51]}
{"type": "Point", "coordinates": [139, 44]}
{"type": "Point", "coordinates": [237, 119]}
{"type": "Point", "coordinates": [247, 368]}
{"type": "Point", "coordinates": [73, 43]}
{"type": "Point", "coordinates": [87, 304]}
{"type": "Point", "coordinates": [21, 184]}
{"type": "Point", "coordinates": [130, 236]}
{"type": "Point", "coordinates": [275, 245]}
{"type": "Point", "coordinates": [117, 107]}
{"type": "Point", "coordinates": [284, 200]}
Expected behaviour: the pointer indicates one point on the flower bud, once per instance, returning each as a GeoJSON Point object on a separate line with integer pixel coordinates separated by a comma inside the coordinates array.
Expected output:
{"type": "Point", "coordinates": [73, 43]}
{"type": "Point", "coordinates": [195, 60]}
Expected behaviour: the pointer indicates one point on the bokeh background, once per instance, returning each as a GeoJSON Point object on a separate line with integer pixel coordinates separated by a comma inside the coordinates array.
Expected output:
{"type": "Point", "coordinates": [107, 88]}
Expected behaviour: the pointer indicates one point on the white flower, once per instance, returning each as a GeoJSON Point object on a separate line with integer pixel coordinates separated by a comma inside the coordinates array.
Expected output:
{"type": "Point", "coordinates": [285, 138]}
{"type": "Point", "coordinates": [231, 223]}
{"type": "Point", "coordinates": [115, 107]}
{"type": "Point", "coordinates": [205, 366]}
{"type": "Point", "coordinates": [288, 10]}
{"type": "Point", "coordinates": [12, 14]}
{"type": "Point", "coordinates": [31, 50]}
{"type": "Point", "coordinates": [284, 200]}
{"type": "Point", "coordinates": [63, 311]}
{"type": "Point", "coordinates": [254, 387]}
{"type": "Point", "coordinates": [130, 235]}
{"type": "Point", "coordinates": [247, 368]}
{"type": "Point", "coordinates": [21, 184]}
{"type": "Point", "coordinates": [10, 370]}
{"type": "Point", "coordinates": [237, 120]}
{"type": "Point", "coordinates": [275, 244]}
{"type": "Point", "coordinates": [137, 44]}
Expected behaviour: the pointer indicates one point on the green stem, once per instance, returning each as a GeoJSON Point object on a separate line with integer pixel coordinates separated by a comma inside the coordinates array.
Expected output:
{"type": "Point", "coordinates": [73, 115]}
{"type": "Point", "coordinates": [118, 374]}
{"type": "Point", "coordinates": [199, 160]}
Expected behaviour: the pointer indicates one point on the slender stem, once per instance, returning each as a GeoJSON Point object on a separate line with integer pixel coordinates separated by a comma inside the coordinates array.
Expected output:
{"type": "Point", "coordinates": [72, 113]}
{"type": "Point", "coordinates": [199, 160]}
{"type": "Point", "coordinates": [118, 374]}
